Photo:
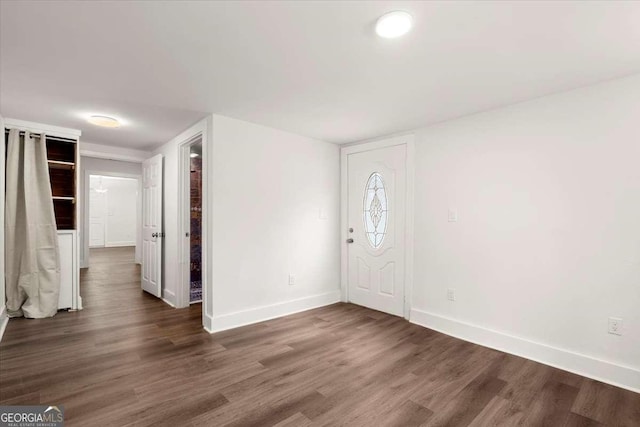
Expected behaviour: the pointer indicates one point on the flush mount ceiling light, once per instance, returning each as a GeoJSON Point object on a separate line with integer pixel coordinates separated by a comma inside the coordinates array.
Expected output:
{"type": "Point", "coordinates": [194, 155]}
{"type": "Point", "coordinates": [104, 121]}
{"type": "Point", "coordinates": [394, 24]}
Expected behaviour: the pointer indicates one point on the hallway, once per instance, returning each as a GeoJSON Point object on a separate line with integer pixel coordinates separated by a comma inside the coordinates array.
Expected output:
{"type": "Point", "coordinates": [90, 361]}
{"type": "Point", "coordinates": [112, 279]}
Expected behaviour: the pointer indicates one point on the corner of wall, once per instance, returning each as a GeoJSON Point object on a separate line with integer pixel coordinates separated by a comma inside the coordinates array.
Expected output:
{"type": "Point", "coordinates": [169, 297]}
{"type": "Point", "coordinates": [208, 323]}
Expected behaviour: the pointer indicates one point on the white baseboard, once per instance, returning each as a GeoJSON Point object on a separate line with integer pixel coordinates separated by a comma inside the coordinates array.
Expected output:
{"type": "Point", "coordinates": [208, 323]}
{"type": "Point", "coordinates": [169, 297]}
{"type": "Point", "coordinates": [4, 320]}
{"type": "Point", "coordinates": [587, 366]}
{"type": "Point", "coordinates": [118, 244]}
{"type": "Point", "coordinates": [169, 302]}
{"type": "Point", "coordinates": [267, 312]}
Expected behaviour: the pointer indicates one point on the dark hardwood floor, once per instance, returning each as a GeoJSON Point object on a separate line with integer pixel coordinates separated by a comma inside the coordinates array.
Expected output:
{"type": "Point", "coordinates": [130, 359]}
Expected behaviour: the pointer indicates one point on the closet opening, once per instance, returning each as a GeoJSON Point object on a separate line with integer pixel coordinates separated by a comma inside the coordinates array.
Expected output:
{"type": "Point", "coordinates": [195, 222]}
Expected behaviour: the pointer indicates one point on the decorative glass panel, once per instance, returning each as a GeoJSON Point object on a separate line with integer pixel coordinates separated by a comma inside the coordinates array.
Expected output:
{"type": "Point", "coordinates": [375, 210]}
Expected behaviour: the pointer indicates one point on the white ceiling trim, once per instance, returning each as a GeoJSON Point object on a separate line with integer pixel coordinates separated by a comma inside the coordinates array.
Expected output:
{"type": "Point", "coordinates": [107, 152]}
{"type": "Point", "coordinates": [34, 127]}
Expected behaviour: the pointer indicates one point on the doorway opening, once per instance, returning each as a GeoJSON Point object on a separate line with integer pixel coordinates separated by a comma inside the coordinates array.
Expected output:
{"type": "Point", "coordinates": [195, 222]}
{"type": "Point", "coordinates": [192, 201]}
{"type": "Point", "coordinates": [111, 216]}
{"type": "Point", "coordinates": [114, 216]}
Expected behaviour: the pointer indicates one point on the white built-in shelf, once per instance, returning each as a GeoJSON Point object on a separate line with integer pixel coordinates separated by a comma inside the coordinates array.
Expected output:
{"type": "Point", "coordinates": [57, 164]}
{"type": "Point", "coordinates": [71, 199]}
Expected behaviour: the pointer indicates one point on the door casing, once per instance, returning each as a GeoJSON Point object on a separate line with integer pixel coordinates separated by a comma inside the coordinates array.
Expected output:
{"type": "Point", "coordinates": [409, 141]}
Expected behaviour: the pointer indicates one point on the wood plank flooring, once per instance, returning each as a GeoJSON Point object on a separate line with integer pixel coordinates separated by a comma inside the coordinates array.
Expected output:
{"type": "Point", "coordinates": [129, 359]}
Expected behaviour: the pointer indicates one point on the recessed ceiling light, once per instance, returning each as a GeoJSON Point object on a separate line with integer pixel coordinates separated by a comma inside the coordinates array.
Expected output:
{"type": "Point", "coordinates": [394, 24]}
{"type": "Point", "coordinates": [194, 155]}
{"type": "Point", "coordinates": [104, 121]}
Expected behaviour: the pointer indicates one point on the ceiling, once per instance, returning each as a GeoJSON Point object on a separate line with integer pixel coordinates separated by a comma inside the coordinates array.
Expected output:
{"type": "Point", "coordinates": [314, 68]}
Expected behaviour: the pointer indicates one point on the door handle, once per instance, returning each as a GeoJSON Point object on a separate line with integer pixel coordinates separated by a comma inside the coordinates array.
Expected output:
{"type": "Point", "coordinates": [349, 240]}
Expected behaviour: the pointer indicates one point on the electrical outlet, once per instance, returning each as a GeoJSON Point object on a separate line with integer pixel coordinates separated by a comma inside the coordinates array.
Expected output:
{"type": "Point", "coordinates": [615, 325]}
{"type": "Point", "coordinates": [452, 215]}
{"type": "Point", "coordinates": [292, 279]}
{"type": "Point", "coordinates": [451, 294]}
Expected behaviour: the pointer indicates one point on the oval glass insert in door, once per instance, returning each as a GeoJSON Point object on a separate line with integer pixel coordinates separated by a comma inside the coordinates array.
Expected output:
{"type": "Point", "coordinates": [375, 210]}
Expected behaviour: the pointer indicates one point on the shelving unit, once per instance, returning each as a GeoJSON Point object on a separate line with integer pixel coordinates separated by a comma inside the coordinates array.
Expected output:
{"type": "Point", "coordinates": [61, 157]}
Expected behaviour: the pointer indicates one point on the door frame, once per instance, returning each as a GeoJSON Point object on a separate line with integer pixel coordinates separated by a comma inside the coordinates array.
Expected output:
{"type": "Point", "coordinates": [409, 141]}
{"type": "Point", "coordinates": [186, 140]}
{"type": "Point", "coordinates": [86, 214]}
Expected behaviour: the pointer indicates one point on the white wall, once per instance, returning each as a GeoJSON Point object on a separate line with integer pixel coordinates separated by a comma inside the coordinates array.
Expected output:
{"type": "Point", "coordinates": [119, 212]}
{"type": "Point", "coordinates": [3, 315]}
{"type": "Point", "coordinates": [266, 190]}
{"type": "Point", "coordinates": [107, 167]}
{"type": "Point", "coordinates": [547, 245]}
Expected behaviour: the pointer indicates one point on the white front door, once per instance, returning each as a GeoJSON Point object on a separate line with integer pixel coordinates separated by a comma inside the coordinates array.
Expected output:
{"type": "Point", "coordinates": [152, 225]}
{"type": "Point", "coordinates": [377, 185]}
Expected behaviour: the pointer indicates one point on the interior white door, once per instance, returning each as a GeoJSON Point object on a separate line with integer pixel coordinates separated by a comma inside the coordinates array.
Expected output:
{"type": "Point", "coordinates": [152, 225]}
{"type": "Point", "coordinates": [377, 184]}
{"type": "Point", "coordinates": [97, 212]}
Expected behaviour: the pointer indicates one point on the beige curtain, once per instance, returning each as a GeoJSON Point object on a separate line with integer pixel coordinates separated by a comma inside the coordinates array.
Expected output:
{"type": "Point", "coordinates": [32, 259]}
